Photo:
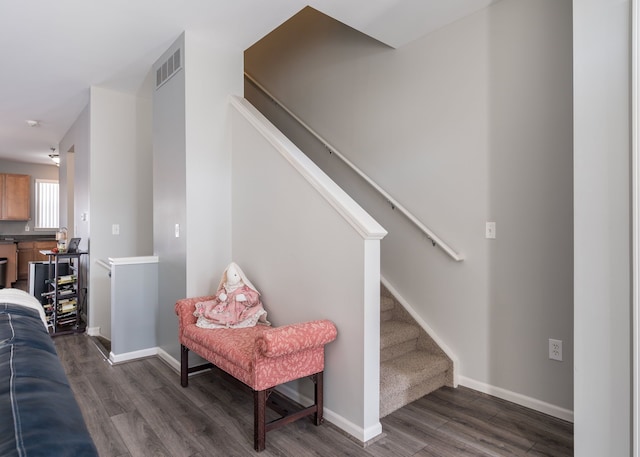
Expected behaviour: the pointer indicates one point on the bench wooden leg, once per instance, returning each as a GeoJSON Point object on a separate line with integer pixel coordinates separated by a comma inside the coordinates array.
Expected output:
{"type": "Point", "coordinates": [184, 366]}
{"type": "Point", "coordinates": [259, 419]}
{"type": "Point", "coordinates": [318, 393]}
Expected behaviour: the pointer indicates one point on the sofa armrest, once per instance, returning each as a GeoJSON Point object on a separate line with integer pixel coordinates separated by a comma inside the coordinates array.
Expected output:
{"type": "Point", "coordinates": [185, 307]}
{"type": "Point", "coordinates": [294, 338]}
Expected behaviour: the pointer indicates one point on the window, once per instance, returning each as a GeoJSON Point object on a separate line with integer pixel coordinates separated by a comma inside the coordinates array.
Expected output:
{"type": "Point", "coordinates": [47, 206]}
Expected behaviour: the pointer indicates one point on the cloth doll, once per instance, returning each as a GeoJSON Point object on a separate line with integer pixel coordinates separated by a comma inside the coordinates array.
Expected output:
{"type": "Point", "coordinates": [236, 304]}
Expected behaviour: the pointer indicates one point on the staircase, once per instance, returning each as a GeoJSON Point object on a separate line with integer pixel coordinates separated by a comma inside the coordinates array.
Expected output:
{"type": "Point", "coordinates": [411, 364]}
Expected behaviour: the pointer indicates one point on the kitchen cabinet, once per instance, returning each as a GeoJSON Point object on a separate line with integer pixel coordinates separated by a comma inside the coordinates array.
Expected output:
{"type": "Point", "coordinates": [15, 197]}
{"type": "Point", "coordinates": [29, 251]}
{"type": "Point", "coordinates": [8, 250]}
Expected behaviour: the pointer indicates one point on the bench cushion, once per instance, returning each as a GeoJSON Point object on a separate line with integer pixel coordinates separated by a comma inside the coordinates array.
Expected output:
{"type": "Point", "coordinates": [233, 345]}
{"type": "Point", "coordinates": [261, 357]}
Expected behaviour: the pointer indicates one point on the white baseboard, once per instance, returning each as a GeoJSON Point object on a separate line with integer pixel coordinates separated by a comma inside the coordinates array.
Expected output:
{"type": "Point", "coordinates": [169, 359]}
{"type": "Point", "coordinates": [522, 400]}
{"type": "Point", "coordinates": [127, 356]}
{"type": "Point", "coordinates": [360, 434]}
{"type": "Point", "coordinates": [93, 331]}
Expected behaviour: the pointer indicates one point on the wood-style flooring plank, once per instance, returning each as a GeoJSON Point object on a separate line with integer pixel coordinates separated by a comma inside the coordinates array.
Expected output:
{"type": "Point", "coordinates": [441, 446]}
{"type": "Point", "coordinates": [111, 390]}
{"type": "Point", "coordinates": [105, 436]}
{"type": "Point", "coordinates": [489, 441]}
{"type": "Point", "coordinates": [165, 424]}
{"type": "Point", "coordinates": [535, 428]}
{"type": "Point", "coordinates": [139, 409]}
{"type": "Point", "coordinates": [211, 439]}
{"type": "Point", "coordinates": [302, 438]}
{"type": "Point", "coordinates": [550, 450]}
{"type": "Point", "coordinates": [139, 436]}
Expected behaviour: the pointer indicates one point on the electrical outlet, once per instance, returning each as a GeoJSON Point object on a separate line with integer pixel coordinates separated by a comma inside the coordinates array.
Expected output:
{"type": "Point", "coordinates": [27, 228]}
{"type": "Point", "coordinates": [177, 230]}
{"type": "Point", "coordinates": [555, 349]}
{"type": "Point", "coordinates": [115, 229]}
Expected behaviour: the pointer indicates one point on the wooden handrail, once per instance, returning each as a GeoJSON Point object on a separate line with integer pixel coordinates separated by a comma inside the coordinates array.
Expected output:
{"type": "Point", "coordinates": [435, 239]}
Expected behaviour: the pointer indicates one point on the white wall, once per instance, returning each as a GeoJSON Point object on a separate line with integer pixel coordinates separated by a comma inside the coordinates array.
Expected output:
{"type": "Point", "coordinates": [120, 145]}
{"type": "Point", "coordinates": [112, 161]}
{"type": "Point", "coordinates": [602, 228]}
{"type": "Point", "coordinates": [530, 177]}
{"type": "Point", "coordinates": [76, 139]}
{"type": "Point", "coordinates": [169, 199]}
{"type": "Point", "coordinates": [192, 174]}
{"type": "Point", "coordinates": [213, 73]}
{"type": "Point", "coordinates": [292, 239]}
{"type": "Point", "coordinates": [469, 124]}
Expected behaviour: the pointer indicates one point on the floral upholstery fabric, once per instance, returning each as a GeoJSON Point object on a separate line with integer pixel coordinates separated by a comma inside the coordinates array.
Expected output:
{"type": "Point", "coordinates": [262, 357]}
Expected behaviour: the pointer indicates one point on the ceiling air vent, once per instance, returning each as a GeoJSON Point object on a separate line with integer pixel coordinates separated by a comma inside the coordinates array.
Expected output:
{"type": "Point", "coordinates": [168, 69]}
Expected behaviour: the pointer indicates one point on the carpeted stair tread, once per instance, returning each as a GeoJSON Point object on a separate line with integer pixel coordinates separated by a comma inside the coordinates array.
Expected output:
{"type": "Point", "coordinates": [410, 369]}
{"type": "Point", "coordinates": [386, 315]}
{"type": "Point", "coordinates": [397, 350]}
{"type": "Point", "coordinates": [394, 332]}
{"type": "Point", "coordinates": [386, 303]}
{"type": "Point", "coordinates": [395, 400]}
{"type": "Point", "coordinates": [411, 363]}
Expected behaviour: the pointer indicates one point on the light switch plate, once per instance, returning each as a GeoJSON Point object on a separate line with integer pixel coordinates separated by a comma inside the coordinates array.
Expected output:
{"type": "Point", "coordinates": [490, 230]}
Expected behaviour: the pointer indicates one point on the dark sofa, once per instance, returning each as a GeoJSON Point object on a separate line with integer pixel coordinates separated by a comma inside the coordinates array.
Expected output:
{"type": "Point", "coordinates": [39, 413]}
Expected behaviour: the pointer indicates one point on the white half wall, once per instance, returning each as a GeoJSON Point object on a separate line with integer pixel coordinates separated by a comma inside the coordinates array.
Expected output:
{"type": "Point", "coordinates": [309, 261]}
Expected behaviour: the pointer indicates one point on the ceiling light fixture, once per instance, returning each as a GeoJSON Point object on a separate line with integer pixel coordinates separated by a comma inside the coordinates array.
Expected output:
{"type": "Point", "coordinates": [32, 123]}
{"type": "Point", "coordinates": [55, 157]}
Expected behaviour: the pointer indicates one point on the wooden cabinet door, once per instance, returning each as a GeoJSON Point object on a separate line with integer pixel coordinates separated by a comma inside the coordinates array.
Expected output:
{"type": "Point", "coordinates": [16, 197]}
{"type": "Point", "coordinates": [2, 195]}
{"type": "Point", "coordinates": [43, 246]}
{"type": "Point", "coordinates": [8, 250]}
{"type": "Point", "coordinates": [25, 255]}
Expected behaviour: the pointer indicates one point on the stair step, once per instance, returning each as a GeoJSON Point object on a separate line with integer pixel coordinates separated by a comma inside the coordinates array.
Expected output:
{"type": "Point", "coordinates": [386, 303]}
{"type": "Point", "coordinates": [409, 377]}
{"type": "Point", "coordinates": [410, 369]}
{"type": "Point", "coordinates": [397, 350]}
{"type": "Point", "coordinates": [395, 400]}
{"type": "Point", "coordinates": [394, 332]}
{"type": "Point", "coordinates": [411, 363]}
{"type": "Point", "coordinates": [386, 315]}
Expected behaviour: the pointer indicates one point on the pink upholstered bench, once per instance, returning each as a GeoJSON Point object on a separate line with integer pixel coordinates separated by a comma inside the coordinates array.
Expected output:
{"type": "Point", "coordinates": [260, 357]}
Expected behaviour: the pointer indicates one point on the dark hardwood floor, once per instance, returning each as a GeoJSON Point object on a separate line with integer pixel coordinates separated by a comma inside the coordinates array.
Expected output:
{"type": "Point", "coordinates": [139, 409]}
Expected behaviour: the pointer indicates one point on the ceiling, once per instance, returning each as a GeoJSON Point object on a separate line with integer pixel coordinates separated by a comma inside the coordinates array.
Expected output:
{"type": "Point", "coordinates": [53, 51]}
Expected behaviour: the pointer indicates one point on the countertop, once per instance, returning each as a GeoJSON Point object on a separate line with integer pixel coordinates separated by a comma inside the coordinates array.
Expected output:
{"type": "Point", "coordinates": [18, 238]}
